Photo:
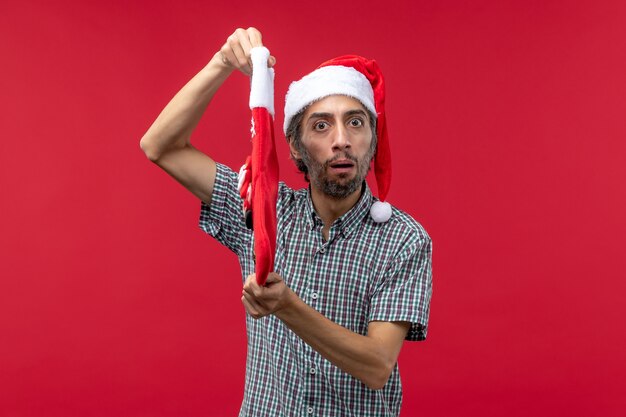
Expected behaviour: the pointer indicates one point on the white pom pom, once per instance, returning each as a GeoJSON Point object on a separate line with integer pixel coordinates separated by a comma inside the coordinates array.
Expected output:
{"type": "Point", "coordinates": [380, 211]}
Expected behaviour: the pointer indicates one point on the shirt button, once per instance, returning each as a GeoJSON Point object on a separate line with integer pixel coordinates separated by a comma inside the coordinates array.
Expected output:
{"type": "Point", "coordinates": [322, 250]}
{"type": "Point", "coordinates": [312, 371]}
{"type": "Point", "coordinates": [309, 410]}
{"type": "Point", "coordinates": [314, 296]}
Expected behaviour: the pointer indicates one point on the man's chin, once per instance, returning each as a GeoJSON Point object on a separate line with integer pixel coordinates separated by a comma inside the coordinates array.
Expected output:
{"type": "Point", "coordinates": [340, 189]}
{"type": "Point", "coordinates": [343, 181]}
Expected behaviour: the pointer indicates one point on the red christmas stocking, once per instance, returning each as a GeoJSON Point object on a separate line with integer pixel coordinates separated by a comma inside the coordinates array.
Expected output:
{"type": "Point", "coordinates": [264, 164]}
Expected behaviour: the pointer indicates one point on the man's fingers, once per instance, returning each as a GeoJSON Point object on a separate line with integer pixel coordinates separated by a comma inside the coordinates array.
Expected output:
{"type": "Point", "coordinates": [246, 44]}
{"type": "Point", "coordinates": [236, 51]}
{"type": "Point", "coordinates": [255, 309]}
{"type": "Point", "coordinates": [244, 39]}
{"type": "Point", "coordinates": [240, 59]}
{"type": "Point", "coordinates": [255, 37]}
{"type": "Point", "coordinates": [250, 286]}
{"type": "Point", "coordinates": [249, 308]}
{"type": "Point", "coordinates": [261, 301]}
{"type": "Point", "coordinates": [251, 300]}
{"type": "Point", "coordinates": [253, 289]}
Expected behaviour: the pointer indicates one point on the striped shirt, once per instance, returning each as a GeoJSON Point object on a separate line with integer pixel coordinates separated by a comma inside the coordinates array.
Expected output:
{"type": "Point", "coordinates": [366, 271]}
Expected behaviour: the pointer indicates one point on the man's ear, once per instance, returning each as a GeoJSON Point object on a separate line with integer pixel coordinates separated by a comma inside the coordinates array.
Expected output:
{"type": "Point", "coordinates": [292, 149]}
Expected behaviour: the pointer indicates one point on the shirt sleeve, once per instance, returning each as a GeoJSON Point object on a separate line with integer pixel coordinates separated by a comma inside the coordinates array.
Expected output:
{"type": "Point", "coordinates": [223, 218]}
{"type": "Point", "coordinates": [405, 291]}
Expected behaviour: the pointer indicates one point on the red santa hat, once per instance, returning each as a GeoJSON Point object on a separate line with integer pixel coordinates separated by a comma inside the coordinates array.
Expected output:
{"type": "Point", "coordinates": [360, 78]}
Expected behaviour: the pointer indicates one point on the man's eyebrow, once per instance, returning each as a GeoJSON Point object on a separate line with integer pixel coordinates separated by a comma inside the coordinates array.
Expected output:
{"type": "Point", "coordinates": [330, 115]}
{"type": "Point", "coordinates": [319, 114]}
{"type": "Point", "coordinates": [355, 111]}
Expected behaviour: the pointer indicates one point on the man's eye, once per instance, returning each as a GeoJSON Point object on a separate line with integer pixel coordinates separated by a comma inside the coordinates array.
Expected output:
{"type": "Point", "coordinates": [320, 125]}
{"type": "Point", "coordinates": [356, 122]}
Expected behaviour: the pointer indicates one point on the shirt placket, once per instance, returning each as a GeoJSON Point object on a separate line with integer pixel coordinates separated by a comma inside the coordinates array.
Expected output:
{"type": "Point", "coordinates": [316, 270]}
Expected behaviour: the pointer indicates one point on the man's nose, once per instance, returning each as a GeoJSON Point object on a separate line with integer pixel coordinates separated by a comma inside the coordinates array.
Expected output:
{"type": "Point", "coordinates": [341, 138]}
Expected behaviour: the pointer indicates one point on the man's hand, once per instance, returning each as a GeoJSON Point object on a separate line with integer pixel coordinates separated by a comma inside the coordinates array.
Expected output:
{"type": "Point", "coordinates": [261, 301]}
{"type": "Point", "coordinates": [235, 53]}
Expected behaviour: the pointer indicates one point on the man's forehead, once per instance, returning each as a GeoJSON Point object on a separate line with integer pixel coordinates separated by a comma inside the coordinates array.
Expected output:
{"type": "Point", "coordinates": [335, 104]}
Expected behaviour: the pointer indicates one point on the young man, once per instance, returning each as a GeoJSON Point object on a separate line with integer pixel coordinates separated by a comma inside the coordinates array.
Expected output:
{"type": "Point", "coordinates": [325, 331]}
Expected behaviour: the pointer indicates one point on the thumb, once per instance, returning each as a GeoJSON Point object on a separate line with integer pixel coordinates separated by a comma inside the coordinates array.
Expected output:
{"type": "Point", "coordinates": [273, 278]}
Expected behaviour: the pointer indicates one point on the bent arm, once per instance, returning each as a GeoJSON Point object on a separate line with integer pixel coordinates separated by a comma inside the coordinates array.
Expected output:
{"type": "Point", "coordinates": [167, 141]}
{"type": "Point", "coordinates": [370, 358]}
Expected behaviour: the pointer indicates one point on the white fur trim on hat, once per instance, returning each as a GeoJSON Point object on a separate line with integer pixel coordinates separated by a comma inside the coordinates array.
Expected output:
{"type": "Point", "coordinates": [262, 82]}
{"type": "Point", "coordinates": [324, 82]}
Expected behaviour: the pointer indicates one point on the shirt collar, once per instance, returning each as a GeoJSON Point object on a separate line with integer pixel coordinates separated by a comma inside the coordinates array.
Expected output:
{"type": "Point", "coordinates": [347, 223]}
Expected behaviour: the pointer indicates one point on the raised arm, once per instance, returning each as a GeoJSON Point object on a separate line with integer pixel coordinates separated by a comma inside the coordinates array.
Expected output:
{"type": "Point", "coordinates": [167, 141]}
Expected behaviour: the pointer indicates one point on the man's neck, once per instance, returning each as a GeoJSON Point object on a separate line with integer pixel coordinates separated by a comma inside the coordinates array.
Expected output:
{"type": "Point", "coordinates": [330, 209]}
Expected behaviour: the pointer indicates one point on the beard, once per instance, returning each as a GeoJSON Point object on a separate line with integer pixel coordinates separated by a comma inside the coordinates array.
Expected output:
{"type": "Point", "coordinates": [343, 186]}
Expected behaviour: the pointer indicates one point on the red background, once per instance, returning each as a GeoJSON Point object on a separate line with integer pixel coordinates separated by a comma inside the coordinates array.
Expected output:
{"type": "Point", "coordinates": [508, 140]}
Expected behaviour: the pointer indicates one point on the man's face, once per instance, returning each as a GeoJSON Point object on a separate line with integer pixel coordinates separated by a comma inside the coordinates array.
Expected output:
{"type": "Point", "coordinates": [336, 145]}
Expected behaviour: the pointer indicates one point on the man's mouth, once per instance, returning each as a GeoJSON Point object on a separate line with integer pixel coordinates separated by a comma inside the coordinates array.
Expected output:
{"type": "Point", "coordinates": [342, 164]}
{"type": "Point", "coordinates": [342, 167]}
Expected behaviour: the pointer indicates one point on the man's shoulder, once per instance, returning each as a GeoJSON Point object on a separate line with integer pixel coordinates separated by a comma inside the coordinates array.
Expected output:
{"type": "Point", "coordinates": [287, 193]}
{"type": "Point", "coordinates": [290, 200]}
{"type": "Point", "coordinates": [406, 226]}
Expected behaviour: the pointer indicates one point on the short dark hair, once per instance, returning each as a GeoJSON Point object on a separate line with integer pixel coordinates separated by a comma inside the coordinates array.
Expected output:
{"type": "Point", "coordinates": [294, 133]}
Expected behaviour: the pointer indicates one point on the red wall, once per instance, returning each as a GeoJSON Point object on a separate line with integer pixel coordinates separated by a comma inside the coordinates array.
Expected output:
{"type": "Point", "coordinates": [508, 140]}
